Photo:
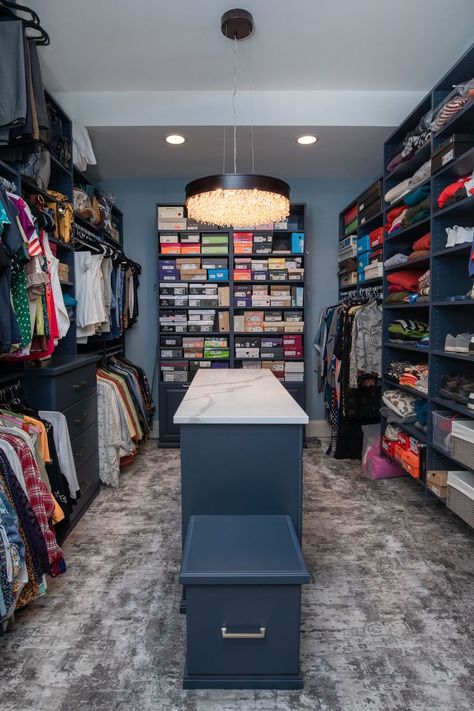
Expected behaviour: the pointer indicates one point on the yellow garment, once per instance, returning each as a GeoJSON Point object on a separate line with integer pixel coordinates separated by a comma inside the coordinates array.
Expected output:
{"type": "Point", "coordinates": [39, 317]}
{"type": "Point", "coordinates": [58, 513]}
{"type": "Point", "coordinates": [42, 437]}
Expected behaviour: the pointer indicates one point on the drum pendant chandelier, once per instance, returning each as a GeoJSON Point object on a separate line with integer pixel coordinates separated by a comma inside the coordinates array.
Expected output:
{"type": "Point", "coordinates": [237, 199]}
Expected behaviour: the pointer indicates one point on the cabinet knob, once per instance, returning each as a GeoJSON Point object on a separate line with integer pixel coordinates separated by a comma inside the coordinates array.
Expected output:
{"type": "Point", "coordinates": [79, 386]}
{"type": "Point", "coordinates": [80, 452]}
{"type": "Point", "coordinates": [79, 420]}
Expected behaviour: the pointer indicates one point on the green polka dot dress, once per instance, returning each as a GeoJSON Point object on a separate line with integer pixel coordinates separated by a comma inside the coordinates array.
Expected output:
{"type": "Point", "coordinates": [21, 306]}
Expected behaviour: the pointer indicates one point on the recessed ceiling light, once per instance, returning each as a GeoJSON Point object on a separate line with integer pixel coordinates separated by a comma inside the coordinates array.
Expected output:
{"type": "Point", "coordinates": [175, 139]}
{"type": "Point", "coordinates": [306, 140]}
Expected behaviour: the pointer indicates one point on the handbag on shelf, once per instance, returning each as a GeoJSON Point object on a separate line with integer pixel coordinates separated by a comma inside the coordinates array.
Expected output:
{"type": "Point", "coordinates": [63, 214]}
{"type": "Point", "coordinates": [37, 167]}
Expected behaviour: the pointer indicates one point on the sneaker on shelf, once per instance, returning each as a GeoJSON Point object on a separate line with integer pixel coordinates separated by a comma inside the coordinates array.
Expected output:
{"type": "Point", "coordinates": [462, 342]}
{"type": "Point", "coordinates": [450, 343]}
{"type": "Point", "coordinates": [464, 390]}
{"type": "Point", "coordinates": [452, 236]}
{"type": "Point", "coordinates": [449, 386]}
{"type": "Point", "coordinates": [464, 234]}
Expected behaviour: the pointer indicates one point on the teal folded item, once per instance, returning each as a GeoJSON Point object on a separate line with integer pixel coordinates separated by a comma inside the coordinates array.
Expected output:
{"type": "Point", "coordinates": [417, 196]}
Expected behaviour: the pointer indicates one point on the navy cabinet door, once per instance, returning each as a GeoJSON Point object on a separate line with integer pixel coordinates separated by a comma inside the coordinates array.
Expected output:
{"type": "Point", "coordinates": [169, 400]}
{"type": "Point", "coordinates": [297, 391]}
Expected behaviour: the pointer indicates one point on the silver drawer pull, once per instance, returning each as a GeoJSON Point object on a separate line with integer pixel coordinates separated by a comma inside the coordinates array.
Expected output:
{"type": "Point", "coordinates": [79, 386]}
{"type": "Point", "coordinates": [244, 635]}
{"type": "Point", "coordinates": [80, 419]}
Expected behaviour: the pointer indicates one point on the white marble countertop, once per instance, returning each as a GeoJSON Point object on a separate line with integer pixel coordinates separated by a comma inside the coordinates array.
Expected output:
{"type": "Point", "coordinates": [238, 396]}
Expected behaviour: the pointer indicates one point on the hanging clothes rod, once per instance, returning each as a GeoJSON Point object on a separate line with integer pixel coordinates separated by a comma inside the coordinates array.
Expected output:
{"type": "Point", "coordinates": [10, 392]}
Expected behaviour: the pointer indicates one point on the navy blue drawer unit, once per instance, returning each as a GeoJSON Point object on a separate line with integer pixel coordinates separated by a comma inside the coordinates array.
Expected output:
{"type": "Point", "coordinates": [81, 415]}
{"type": "Point", "coordinates": [68, 384]}
{"type": "Point", "coordinates": [243, 577]}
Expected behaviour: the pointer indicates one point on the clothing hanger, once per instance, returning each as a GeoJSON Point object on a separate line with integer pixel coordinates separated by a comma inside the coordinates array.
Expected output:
{"type": "Point", "coordinates": [7, 185]}
{"type": "Point", "coordinates": [31, 24]}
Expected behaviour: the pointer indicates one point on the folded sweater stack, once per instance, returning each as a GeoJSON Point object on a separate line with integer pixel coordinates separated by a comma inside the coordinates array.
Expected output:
{"type": "Point", "coordinates": [405, 187]}
{"type": "Point", "coordinates": [413, 141]}
{"type": "Point", "coordinates": [411, 375]}
{"type": "Point", "coordinates": [458, 190]}
{"type": "Point", "coordinates": [420, 248]}
{"type": "Point", "coordinates": [408, 331]}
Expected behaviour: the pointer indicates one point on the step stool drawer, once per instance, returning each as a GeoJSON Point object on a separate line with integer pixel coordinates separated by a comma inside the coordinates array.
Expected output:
{"type": "Point", "coordinates": [243, 629]}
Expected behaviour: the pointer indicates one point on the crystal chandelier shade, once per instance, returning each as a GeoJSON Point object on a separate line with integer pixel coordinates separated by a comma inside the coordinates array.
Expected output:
{"type": "Point", "coordinates": [236, 200]}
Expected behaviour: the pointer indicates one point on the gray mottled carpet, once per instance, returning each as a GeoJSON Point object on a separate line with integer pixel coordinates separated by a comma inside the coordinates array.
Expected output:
{"type": "Point", "coordinates": [388, 618]}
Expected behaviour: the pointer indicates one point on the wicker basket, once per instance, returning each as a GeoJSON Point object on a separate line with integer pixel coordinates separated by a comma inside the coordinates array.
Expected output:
{"type": "Point", "coordinates": [462, 451]}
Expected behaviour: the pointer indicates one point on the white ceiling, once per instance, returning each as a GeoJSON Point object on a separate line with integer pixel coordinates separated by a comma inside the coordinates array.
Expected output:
{"type": "Point", "coordinates": [346, 69]}
{"type": "Point", "coordinates": [122, 45]}
{"type": "Point", "coordinates": [140, 152]}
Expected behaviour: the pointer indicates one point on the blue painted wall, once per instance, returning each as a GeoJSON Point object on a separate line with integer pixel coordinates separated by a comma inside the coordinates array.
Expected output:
{"type": "Point", "coordinates": [325, 199]}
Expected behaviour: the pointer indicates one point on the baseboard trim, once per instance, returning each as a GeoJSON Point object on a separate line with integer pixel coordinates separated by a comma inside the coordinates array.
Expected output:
{"type": "Point", "coordinates": [155, 430]}
{"type": "Point", "coordinates": [318, 428]}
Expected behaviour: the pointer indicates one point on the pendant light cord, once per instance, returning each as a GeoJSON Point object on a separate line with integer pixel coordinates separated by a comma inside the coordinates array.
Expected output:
{"type": "Point", "coordinates": [252, 118]}
{"type": "Point", "coordinates": [233, 103]}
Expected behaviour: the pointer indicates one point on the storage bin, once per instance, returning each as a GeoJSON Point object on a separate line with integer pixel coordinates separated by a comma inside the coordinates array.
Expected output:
{"type": "Point", "coordinates": [363, 260]}
{"type": "Point", "coordinates": [347, 253]}
{"type": "Point", "coordinates": [462, 451]}
{"type": "Point", "coordinates": [461, 495]}
{"type": "Point", "coordinates": [442, 426]}
{"type": "Point", "coordinates": [370, 211]}
{"type": "Point", "coordinates": [363, 244]}
{"type": "Point", "coordinates": [242, 577]}
{"type": "Point", "coordinates": [372, 194]}
{"type": "Point", "coordinates": [347, 242]}
{"type": "Point", "coordinates": [373, 271]}
{"type": "Point", "coordinates": [348, 279]}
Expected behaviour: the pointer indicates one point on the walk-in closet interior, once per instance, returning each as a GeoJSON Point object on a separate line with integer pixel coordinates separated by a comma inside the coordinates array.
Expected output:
{"type": "Point", "coordinates": [236, 355]}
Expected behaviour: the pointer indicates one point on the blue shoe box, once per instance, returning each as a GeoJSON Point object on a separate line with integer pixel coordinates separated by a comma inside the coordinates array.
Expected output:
{"type": "Point", "coordinates": [297, 242]}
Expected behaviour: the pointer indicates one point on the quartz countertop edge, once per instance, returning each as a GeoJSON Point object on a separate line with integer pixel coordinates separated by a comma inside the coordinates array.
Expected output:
{"type": "Point", "coordinates": [238, 396]}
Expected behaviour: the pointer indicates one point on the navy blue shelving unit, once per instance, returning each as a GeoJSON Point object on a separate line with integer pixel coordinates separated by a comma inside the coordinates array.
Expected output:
{"type": "Point", "coordinates": [449, 266]}
{"type": "Point", "coordinates": [172, 393]}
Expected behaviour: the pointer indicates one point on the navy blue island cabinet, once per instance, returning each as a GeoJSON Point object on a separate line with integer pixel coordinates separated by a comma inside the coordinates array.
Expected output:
{"type": "Point", "coordinates": [241, 446]}
{"type": "Point", "coordinates": [242, 487]}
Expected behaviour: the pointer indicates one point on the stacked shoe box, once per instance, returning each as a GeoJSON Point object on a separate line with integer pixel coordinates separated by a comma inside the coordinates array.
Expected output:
{"type": "Point", "coordinates": [247, 347]}
{"type": "Point", "coordinates": [174, 294]}
{"type": "Point", "coordinates": [180, 243]}
{"type": "Point", "coordinates": [215, 348]}
{"type": "Point", "coordinates": [243, 242]}
{"type": "Point", "coordinates": [173, 321]}
{"type": "Point", "coordinates": [293, 347]}
{"type": "Point", "coordinates": [214, 243]}
{"type": "Point", "coordinates": [171, 217]}
{"type": "Point", "coordinates": [294, 371]}
{"type": "Point", "coordinates": [262, 243]}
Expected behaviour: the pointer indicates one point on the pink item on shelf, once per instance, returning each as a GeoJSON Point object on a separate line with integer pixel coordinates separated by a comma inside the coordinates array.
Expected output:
{"type": "Point", "coordinates": [376, 466]}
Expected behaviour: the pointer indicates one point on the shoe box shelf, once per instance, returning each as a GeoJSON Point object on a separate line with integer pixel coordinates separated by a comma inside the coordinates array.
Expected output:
{"type": "Point", "coordinates": [172, 393]}
{"type": "Point", "coordinates": [449, 270]}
